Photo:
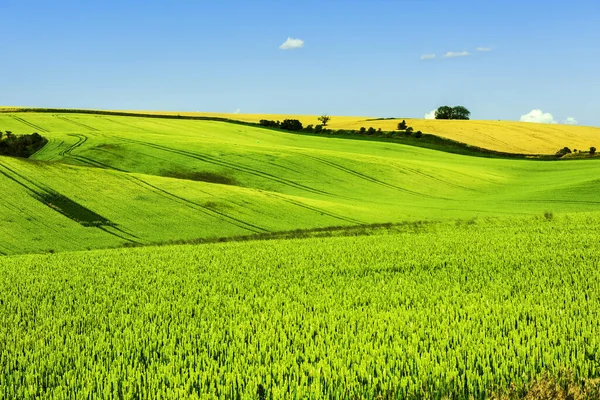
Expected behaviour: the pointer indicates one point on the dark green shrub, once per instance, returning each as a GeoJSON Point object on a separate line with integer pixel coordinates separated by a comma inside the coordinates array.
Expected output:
{"type": "Point", "coordinates": [418, 134]}
{"type": "Point", "coordinates": [269, 123]}
{"type": "Point", "coordinates": [563, 151]}
{"type": "Point", "coordinates": [291, 125]}
{"type": "Point", "coordinates": [318, 128]}
{"type": "Point", "coordinates": [592, 150]}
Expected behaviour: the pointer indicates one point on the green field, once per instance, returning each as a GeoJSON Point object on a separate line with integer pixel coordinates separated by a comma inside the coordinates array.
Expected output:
{"type": "Point", "coordinates": [106, 181]}
{"type": "Point", "coordinates": [446, 276]}
{"type": "Point", "coordinates": [459, 310]}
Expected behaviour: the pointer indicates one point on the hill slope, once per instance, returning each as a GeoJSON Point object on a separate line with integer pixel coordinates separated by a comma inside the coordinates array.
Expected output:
{"type": "Point", "coordinates": [504, 136]}
{"type": "Point", "coordinates": [104, 181]}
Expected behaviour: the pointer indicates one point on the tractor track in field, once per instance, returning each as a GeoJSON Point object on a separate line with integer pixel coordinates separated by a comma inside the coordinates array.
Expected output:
{"type": "Point", "coordinates": [417, 172]}
{"type": "Point", "coordinates": [314, 209]}
{"type": "Point", "coordinates": [81, 125]}
{"type": "Point", "coordinates": [227, 164]}
{"type": "Point", "coordinates": [30, 124]}
{"type": "Point", "coordinates": [47, 196]}
{"type": "Point", "coordinates": [30, 190]}
{"type": "Point", "coordinates": [82, 139]}
{"type": "Point", "coordinates": [205, 210]}
{"type": "Point", "coordinates": [373, 180]}
{"type": "Point", "coordinates": [31, 217]}
{"type": "Point", "coordinates": [127, 125]}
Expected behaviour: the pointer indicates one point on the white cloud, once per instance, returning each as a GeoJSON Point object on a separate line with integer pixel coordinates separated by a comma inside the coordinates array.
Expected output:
{"type": "Point", "coordinates": [291, 44]}
{"type": "Point", "coordinates": [427, 56]}
{"type": "Point", "coordinates": [452, 54]}
{"type": "Point", "coordinates": [570, 121]}
{"type": "Point", "coordinates": [430, 114]}
{"type": "Point", "coordinates": [237, 111]}
{"type": "Point", "coordinates": [483, 49]}
{"type": "Point", "coordinates": [539, 117]}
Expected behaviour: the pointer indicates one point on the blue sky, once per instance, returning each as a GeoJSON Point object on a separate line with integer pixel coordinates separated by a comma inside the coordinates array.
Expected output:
{"type": "Point", "coordinates": [359, 57]}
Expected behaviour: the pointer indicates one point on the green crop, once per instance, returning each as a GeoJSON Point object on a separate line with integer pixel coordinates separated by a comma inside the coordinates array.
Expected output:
{"type": "Point", "coordinates": [457, 310]}
{"type": "Point", "coordinates": [108, 181]}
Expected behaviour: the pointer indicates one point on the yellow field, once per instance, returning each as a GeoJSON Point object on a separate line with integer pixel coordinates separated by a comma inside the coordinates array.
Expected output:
{"type": "Point", "coordinates": [507, 136]}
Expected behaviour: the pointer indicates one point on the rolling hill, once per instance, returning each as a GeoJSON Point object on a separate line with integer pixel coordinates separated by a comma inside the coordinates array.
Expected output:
{"type": "Point", "coordinates": [106, 181]}
{"type": "Point", "coordinates": [504, 136]}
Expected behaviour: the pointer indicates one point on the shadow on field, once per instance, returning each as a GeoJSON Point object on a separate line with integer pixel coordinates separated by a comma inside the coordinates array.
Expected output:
{"type": "Point", "coordinates": [203, 176]}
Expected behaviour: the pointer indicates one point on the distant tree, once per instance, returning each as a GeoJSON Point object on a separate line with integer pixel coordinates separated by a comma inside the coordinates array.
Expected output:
{"type": "Point", "coordinates": [363, 130]}
{"type": "Point", "coordinates": [291, 125]}
{"type": "Point", "coordinates": [447, 112]}
{"type": "Point", "coordinates": [309, 128]}
{"type": "Point", "coordinates": [443, 112]}
{"type": "Point", "coordinates": [269, 123]}
{"type": "Point", "coordinates": [371, 131]}
{"type": "Point", "coordinates": [592, 150]}
{"type": "Point", "coordinates": [563, 151]}
{"type": "Point", "coordinates": [318, 128]}
{"type": "Point", "coordinates": [409, 129]}
{"type": "Point", "coordinates": [418, 134]}
{"type": "Point", "coordinates": [460, 112]}
{"type": "Point", "coordinates": [324, 119]}
{"type": "Point", "coordinates": [402, 125]}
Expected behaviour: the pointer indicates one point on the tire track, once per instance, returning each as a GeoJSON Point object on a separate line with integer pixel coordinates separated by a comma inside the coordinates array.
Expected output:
{"type": "Point", "coordinates": [237, 167]}
{"type": "Point", "coordinates": [373, 180]}
{"type": "Point", "coordinates": [417, 172]}
{"type": "Point", "coordinates": [81, 125]}
{"type": "Point", "coordinates": [32, 125]}
{"type": "Point", "coordinates": [315, 209]}
{"type": "Point", "coordinates": [45, 189]}
{"type": "Point", "coordinates": [128, 125]}
{"type": "Point", "coordinates": [205, 210]}
{"type": "Point", "coordinates": [81, 139]}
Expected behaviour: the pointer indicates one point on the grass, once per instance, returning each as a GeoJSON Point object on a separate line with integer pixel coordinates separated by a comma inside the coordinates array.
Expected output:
{"type": "Point", "coordinates": [146, 180]}
{"type": "Point", "coordinates": [503, 307]}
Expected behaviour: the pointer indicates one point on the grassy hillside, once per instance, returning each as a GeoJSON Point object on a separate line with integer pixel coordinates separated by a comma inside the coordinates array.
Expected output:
{"type": "Point", "coordinates": [504, 136]}
{"type": "Point", "coordinates": [106, 181]}
{"type": "Point", "coordinates": [450, 311]}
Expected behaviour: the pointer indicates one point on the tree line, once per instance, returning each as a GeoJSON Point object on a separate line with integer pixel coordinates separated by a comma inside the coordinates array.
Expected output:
{"type": "Point", "coordinates": [294, 125]}
{"type": "Point", "coordinates": [20, 145]}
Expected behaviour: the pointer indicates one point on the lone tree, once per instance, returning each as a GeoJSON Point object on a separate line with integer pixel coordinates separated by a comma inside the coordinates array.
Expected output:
{"type": "Point", "coordinates": [444, 112]}
{"type": "Point", "coordinates": [447, 112]}
{"type": "Point", "coordinates": [324, 119]}
{"type": "Point", "coordinates": [460, 112]}
{"type": "Point", "coordinates": [402, 125]}
{"type": "Point", "coordinates": [592, 150]}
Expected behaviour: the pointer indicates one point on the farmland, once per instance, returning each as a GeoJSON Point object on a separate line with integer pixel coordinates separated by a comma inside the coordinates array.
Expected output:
{"type": "Point", "coordinates": [459, 310]}
{"type": "Point", "coordinates": [108, 181]}
{"type": "Point", "coordinates": [504, 136]}
{"type": "Point", "coordinates": [425, 274]}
